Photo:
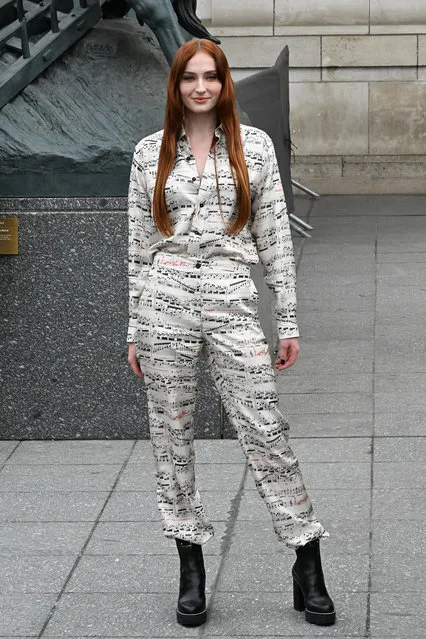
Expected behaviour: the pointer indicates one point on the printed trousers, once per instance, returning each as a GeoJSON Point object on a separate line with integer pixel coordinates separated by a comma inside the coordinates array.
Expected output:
{"type": "Point", "coordinates": [188, 303]}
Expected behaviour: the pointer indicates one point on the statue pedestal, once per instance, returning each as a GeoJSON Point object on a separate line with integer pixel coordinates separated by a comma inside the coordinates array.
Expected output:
{"type": "Point", "coordinates": [71, 135]}
{"type": "Point", "coordinates": [63, 362]}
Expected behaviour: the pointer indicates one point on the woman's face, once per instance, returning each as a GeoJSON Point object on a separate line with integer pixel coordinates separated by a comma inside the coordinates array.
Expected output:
{"type": "Point", "coordinates": [199, 86]}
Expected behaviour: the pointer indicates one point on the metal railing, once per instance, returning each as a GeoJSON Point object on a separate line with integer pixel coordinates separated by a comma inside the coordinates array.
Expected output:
{"type": "Point", "coordinates": [63, 30]}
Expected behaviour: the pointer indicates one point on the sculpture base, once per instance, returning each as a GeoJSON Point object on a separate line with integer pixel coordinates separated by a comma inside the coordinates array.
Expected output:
{"type": "Point", "coordinates": [63, 365]}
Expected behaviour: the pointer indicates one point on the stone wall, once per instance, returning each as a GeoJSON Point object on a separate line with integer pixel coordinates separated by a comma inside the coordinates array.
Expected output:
{"type": "Point", "coordinates": [357, 84]}
{"type": "Point", "coordinates": [63, 318]}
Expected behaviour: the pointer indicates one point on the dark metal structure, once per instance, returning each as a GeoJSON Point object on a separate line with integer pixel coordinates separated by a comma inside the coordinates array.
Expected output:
{"type": "Point", "coordinates": [264, 97]}
{"type": "Point", "coordinates": [31, 54]}
{"type": "Point", "coordinates": [66, 21]}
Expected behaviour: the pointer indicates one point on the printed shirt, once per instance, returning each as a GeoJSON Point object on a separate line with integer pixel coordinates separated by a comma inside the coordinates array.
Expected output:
{"type": "Point", "coordinates": [199, 228]}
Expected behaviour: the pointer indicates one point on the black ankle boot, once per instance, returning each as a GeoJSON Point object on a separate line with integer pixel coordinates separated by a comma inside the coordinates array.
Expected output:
{"type": "Point", "coordinates": [191, 608]}
{"type": "Point", "coordinates": [309, 590]}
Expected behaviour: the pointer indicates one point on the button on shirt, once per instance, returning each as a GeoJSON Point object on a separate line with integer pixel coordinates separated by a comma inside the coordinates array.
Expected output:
{"type": "Point", "coordinates": [199, 227]}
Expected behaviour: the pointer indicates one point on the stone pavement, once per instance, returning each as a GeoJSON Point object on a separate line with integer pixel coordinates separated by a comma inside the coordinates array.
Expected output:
{"type": "Point", "coordinates": [82, 553]}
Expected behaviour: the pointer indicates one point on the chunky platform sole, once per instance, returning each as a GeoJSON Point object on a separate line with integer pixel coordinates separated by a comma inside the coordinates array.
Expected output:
{"type": "Point", "coordinates": [196, 619]}
{"type": "Point", "coordinates": [318, 618]}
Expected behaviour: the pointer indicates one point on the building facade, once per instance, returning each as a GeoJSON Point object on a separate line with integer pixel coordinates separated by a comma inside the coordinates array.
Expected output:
{"type": "Point", "coordinates": [357, 84]}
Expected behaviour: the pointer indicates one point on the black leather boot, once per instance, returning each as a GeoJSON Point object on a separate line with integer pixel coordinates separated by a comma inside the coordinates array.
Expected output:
{"type": "Point", "coordinates": [191, 608]}
{"type": "Point", "coordinates": [309, 590]}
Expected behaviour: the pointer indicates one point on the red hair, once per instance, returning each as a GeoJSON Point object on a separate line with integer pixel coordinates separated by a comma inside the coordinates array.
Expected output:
{"type": "Point", "coordinates": [227, 114]}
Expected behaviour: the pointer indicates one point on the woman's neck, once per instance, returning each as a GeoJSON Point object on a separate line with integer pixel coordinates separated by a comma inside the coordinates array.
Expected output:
{"type": "Point", "coordinates": [200, 125]}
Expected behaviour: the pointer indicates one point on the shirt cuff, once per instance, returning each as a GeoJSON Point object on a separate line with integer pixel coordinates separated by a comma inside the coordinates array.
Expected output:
{"type": "Point", "coordinates": [287, 331]}
{"type": "Point", "coordinates": [131, 333]}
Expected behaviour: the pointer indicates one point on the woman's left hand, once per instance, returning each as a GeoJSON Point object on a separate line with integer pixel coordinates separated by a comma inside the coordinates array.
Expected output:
{"type": "Point", "coordinates": [287, 353]}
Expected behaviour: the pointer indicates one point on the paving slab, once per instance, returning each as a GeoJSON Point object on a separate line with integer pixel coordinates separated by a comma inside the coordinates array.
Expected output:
{"type": "Point", "coordinates": [331, 425]}
{"type": "Point", "coordinates": [258, 537]}
{"type": "Point", "coordinates": [331, 356]}
{"type": "Point", "coordinates": [247, 573]}
{"type": "Point", "coordinates": [400, 475]}
{"type": "Point", "coordinates": [307, 403]}
{"type": "Point", "coordinates": [401, 235]}
{"type": "Point", "coordinates": [225, 451]}
{"type": "Point", "coordinates": [346, 284]}
{"type": "Point", "coordinates": [34, 574]}
{"type": "Point", "coordinates": [134, 574]}
{"type": "Point", "coordinates": [407, 301]}
{"type": "Point", "coordinates": [253, 614]}
{"type": "Point", "coordinates": [395, 449]}
{"type": "Point", "coordinates": [313, 298]}
{"type": "Point", "coordinates": [409, 357]}
{"type": "Point", "coordinates": [380, 205]}
{"type": "Point", "coordinates": [221, 504]}
{"type": "Point", "coordinates": [332, 449]}
{"type": "Point", "coordinates": [6, 450]}
{"type": "Point", "coordinates": [142, 538]}
{"type": "Point", "coordinates": [408, 274]}
{"type": "Point", "coordinates": [23, 615]}
{"type": "Point", "coordinates": [401, 223]}
{"type": "Point", "coordinates": [72, 452]}
{"type": "Point", "coordinates": [138, 477]}
{"type": "Point", "coordinates": [395, 536]}
{"type": "Point", "coordinates": [131, 506]}
{"type": "Point", "coordinates": [142, 506]}
{"type": "Point", "coordinates": [398, 614]}
{"type": "Point", "coordinates": [401, 241]}
{"type": "Point", "coordinates": [50, 506]}
{"type": "Point", "coordinates": [388, 326]}
{"type": "Point", "coordinates": [402, 572]}
{"type": "Point", "coordinates": [43, 538]}
{"type": "Point", "coordinates": [334, 475]}
{"type": "Point", "coordinates": [396, 258]}
{"type": "Point", "coordinates": [115, 615]}
{"type": "Point", "coordinates": [407, 504]}
{"type": "Point", "coordinates": [141, 452]}
{"type": "Point", "coordinates": [325, 383]}
{"type": "Point", "coordinates": [56, 478]}
{"type": "Point", "coordinates": [231, 475]}
{"type": "Point", "coordinates": [352, 247]}
{"type": "Point", "coordinates": [392, 353]}
{"type": "Point", "coordinates": [344, 504]}
{"type": "Point", "coordinates": [328, 263]}
{"type": "Point", "coordinates": [400, 392]}
{"type": "Point", "coordinates": [349, 226]}
{"type": "Point", "coordinates": [335, 325]}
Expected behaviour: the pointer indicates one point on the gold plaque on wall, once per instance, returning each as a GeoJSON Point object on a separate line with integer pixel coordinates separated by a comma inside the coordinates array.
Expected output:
{"type": "Point", "coordinates": [8, 236]}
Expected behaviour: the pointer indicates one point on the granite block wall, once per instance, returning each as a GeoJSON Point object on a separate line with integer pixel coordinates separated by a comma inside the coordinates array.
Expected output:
{"type": "Point", "coordinates": [63, 324]}
{"type": "Point", "coordinates": [357, 84]}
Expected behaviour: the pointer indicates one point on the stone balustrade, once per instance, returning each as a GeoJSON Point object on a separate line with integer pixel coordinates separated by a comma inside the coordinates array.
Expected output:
{"type": "Point", "coordinates": [357, 84]}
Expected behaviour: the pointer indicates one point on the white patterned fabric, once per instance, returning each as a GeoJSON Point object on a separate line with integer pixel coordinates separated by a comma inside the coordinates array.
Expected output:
{"type": "Point", "coordinates": [199, 229]}
{"type": "Point", "coordinates": [186, 304]}
{"type": "Point", "coordinates": [193, 291]}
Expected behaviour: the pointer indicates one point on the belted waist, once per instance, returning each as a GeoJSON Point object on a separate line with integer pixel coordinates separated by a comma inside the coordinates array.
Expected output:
{"type": "Point", "coordinates": [190, 262]}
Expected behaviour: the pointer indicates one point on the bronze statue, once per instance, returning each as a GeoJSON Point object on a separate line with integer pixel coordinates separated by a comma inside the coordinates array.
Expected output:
{"type": "Point", "coordinates": [165, 18]}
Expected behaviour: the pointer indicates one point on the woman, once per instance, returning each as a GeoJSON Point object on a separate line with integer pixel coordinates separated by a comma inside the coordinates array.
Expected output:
{"type": "Point", "coordinates": [205, 202]}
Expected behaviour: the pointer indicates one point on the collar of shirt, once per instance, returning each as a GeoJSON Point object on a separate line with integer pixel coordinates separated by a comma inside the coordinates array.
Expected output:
{"type": "Point", "coordinates": [183, 140]}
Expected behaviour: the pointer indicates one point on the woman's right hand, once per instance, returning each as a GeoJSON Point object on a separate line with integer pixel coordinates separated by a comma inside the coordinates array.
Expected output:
{"type": "Point", "coordinates": [133, 360]}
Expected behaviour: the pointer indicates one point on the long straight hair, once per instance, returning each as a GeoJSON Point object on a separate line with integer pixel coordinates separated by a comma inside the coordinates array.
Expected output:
{"type": "Point", "coordinates": [227, 114]}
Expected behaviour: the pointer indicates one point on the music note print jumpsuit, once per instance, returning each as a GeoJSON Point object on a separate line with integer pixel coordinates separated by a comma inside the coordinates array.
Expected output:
{"type": "Point", "coordinates": [194, 289]}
